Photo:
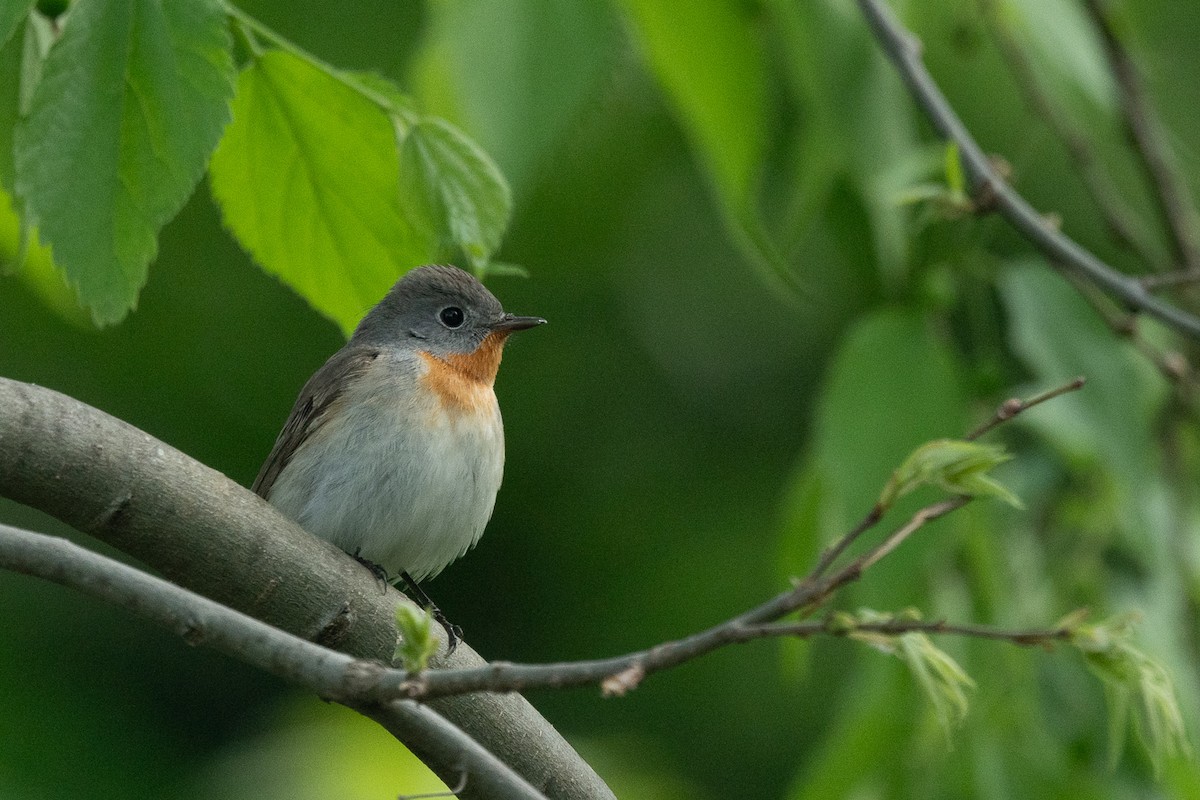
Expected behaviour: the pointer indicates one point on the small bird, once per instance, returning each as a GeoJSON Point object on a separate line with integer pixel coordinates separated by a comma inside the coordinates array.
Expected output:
{"type": "Point", "coordinates": [394, 449]}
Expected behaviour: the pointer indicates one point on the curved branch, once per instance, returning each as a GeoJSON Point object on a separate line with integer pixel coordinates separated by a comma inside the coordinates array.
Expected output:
{"type": "Point", "coordinates": [201, 621]}
{"type": "Point", "coordinates": [620, 674]}
{"type": "Point", "coordinates": [208, 534]}
{"type": "Point", "coordinates": [905, 52]}
{"type": "Point", "coordinates": [373, 688]}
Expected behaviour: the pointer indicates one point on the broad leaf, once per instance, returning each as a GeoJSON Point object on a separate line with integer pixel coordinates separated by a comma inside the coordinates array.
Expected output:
{"type": "Point", "coordinates": [455, 190]}
{"type": "Point", "coordinates": [710, 59]}
{"type": "Point", "coordinates": [12, 14]}
{"type": "Point", "coordinates": [516, 74]}
{"type": "Point", "coordinates": [870, 417]}
{"type": "Point", "coordinates": [306, 177]}
{"type": "Point", "coordinates": [132, 99]}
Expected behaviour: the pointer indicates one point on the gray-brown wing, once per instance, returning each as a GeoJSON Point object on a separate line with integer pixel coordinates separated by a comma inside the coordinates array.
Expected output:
{"type": "Point", "coordinates": [308, 414]}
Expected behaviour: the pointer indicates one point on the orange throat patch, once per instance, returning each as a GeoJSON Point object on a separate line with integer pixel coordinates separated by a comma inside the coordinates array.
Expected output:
{"type": "Point", "coordinates": [463, 381]}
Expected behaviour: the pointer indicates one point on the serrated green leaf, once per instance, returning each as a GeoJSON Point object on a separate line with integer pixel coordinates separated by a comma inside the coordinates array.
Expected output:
{"type": "Point", "coordinates": [306, 177]}
{"type": "Point", "coordinates": [417, 643]}
{"type": "Point", "coordinates": [132, 99]}
{"type": "Point", "coordinates": [955, 465]}
{"type": "Point", "coordinates": [452, 186]}
{"type": "Point", "coordinates": [12, 14]}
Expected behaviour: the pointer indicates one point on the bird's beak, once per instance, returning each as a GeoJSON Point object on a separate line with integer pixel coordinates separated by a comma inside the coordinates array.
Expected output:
{"type": "Point", "coordinates": [511, 322]}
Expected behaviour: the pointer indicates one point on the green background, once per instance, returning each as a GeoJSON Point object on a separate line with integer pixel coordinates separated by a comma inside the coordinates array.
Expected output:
{"type": "Point", "coordinates": [685, 432]}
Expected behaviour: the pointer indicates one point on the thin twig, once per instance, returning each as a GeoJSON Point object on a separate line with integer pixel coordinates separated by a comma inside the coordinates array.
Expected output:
{"type": "Point", "coordinates": [831, 553]}
{"type": "Point", "coordinates": [905, 52]}
{"type": "Point", "coordinates": [1172, 365]}
{"type": "Point", "coordinates": [1149, 142]}
{"type": "Point", "coordinates": [1118, 216]}
{"type": "Point", "coordinates": [629, 669]}
{"type": "Point", "coordinates": [897, 627]}
{"type": "Point", "coordinates": [1006, 411]}
{"type": "Point", "coordinates": [1014, 406]}
{"type": "Point", "coordinates": [1168, 280]}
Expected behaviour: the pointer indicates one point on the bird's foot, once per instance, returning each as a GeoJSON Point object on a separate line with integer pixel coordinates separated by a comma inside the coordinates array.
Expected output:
{"type": "Point", "coordinates": [454, 633]}
{"type": "Point", "coordinates": [379, 572]}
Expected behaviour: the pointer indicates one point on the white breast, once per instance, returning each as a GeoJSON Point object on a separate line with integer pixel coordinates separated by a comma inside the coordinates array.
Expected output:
{"type": "Point", "coordinates": [396, 477]}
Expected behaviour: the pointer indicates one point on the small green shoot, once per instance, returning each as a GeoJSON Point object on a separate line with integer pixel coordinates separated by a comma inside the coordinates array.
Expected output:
{"type": "Point", "coordinates": [1131, 678]}
{"type": "Point", "coordinates": [944, 683]}
{"type": "Point", "coordinates": [957, 466]}
{"type": "Point", "coordinates": [417, 643]}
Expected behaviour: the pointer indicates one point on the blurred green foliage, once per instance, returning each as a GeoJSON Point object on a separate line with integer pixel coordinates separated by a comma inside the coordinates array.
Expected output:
{"type": "Point", "coordinates": [689, 430]}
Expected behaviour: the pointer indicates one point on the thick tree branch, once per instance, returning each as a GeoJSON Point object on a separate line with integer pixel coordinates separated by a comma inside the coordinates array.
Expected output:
{"type": "Point", "coordinates": [375, 689]}
{"type": "Point", "coordinates": [905, 52]}
{"type": "Point", "coordinates": [208, 534]}
{"type": "Point", "coordinates": [330, 674]}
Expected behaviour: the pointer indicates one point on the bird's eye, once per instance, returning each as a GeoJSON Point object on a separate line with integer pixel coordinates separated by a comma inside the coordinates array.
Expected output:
{"type": "Point", "coordinates": [452, 316]}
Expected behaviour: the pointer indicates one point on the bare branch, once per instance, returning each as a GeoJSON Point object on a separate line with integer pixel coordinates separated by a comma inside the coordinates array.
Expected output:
{"type": "Point", "coordinates": [199, 620]}
{"type": "Point", "coordinates": [1149, 142]}
{"type": "Point", "coordinates": [806, 595]}
{"type": "Point", "coordinates": [1172, 365]}
{"type": "Point", "coordinates": [1168, 280]}
{"type": "Point", "coordinates": [212, 536]}
{"type": "Point", "coordinates": [1011, 408]}
{"type": "Point", "coordinates": [1025, 637]}
{"type": "Point", "coordinates": [1007, 410]}
{"type": "Point", "coordinates": [905, 52]}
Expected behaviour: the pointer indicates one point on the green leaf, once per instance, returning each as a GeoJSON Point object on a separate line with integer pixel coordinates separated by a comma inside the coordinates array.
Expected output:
{"type": "Point", "coordinates": [893, 384]}
{"type": "Point", "coordinates": [710, 59]}
{"type": "Point", "coordinates": [955, 465]}
{"type": "Point", "coordinates": [12, 14]}
{"type": "Point", "coordinates": [941, 679]}
{"type": "Point", "coordinates": [1131, 678]}
{"type": "Point", "coordinates": [22, 255]}
{"type": "Point", "coordinates": [306, 177]}
{"type": "Point", "coordinates": [417, 643]}
{"type": "Point", "coordinates": [943, 682]}
{"type": "Point", "coordinates": [11, 58]}
{"type": "Point", "coordinates": [454, 188]}
{"type": "Point", "coordinates": [502, 269]}
{"type": "Point", "coordinates": [132, 99]}
{"type": "Point", "coordinates": [855, 133]}
{"type": "Point", "coordinates": [486, 66]}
